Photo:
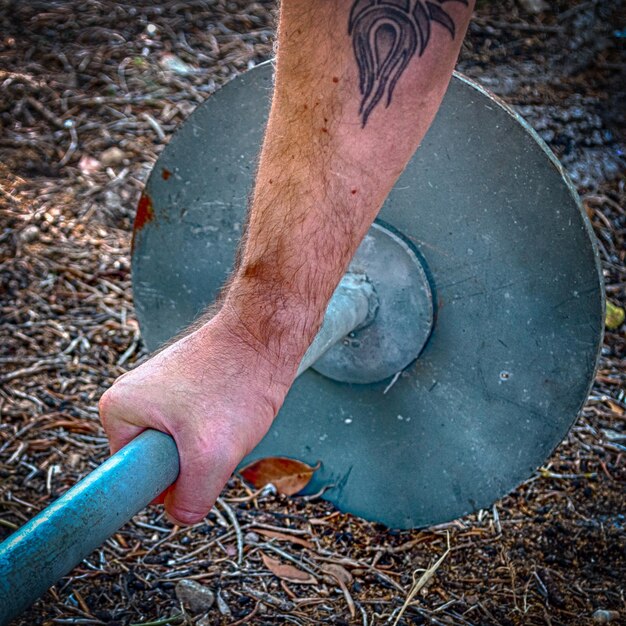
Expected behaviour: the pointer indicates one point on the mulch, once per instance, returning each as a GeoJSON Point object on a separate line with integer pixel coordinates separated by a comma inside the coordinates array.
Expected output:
{"type": "Point", "coordinates": [90, 91]}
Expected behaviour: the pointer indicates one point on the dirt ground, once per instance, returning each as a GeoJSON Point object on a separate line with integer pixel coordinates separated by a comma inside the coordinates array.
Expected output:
{"type": "Point", "coordinates": [80, 78]}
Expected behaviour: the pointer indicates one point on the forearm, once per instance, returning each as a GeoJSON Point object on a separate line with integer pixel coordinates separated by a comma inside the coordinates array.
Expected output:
{"type": "Point", "coordinates": [332, 151]}
{"type": "Point", "coordinates": [331, 154]}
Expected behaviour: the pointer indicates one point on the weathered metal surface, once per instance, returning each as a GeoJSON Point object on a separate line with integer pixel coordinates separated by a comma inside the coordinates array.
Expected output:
{"type": "Point", "coordinates": [514, 273]}
{"type": "Point", "coordinates": [34, 557]}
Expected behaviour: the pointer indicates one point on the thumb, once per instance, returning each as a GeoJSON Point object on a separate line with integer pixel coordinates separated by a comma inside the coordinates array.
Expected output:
{"type": "Point", "coordinates": [202, 477]}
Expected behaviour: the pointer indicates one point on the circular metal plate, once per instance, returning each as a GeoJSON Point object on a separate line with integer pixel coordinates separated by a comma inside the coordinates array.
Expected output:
{"type": "Point", "coordinates": [519, 318]}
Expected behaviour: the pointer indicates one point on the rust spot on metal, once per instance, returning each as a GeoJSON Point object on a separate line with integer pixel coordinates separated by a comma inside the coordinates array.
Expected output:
{"type": "Point", "coordinates": [165, 174]}
{"type": "Point", "coordinates": [145, 214]}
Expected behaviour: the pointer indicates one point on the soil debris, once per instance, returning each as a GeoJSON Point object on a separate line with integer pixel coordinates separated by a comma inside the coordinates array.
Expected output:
{"type": "Point", "coordinates": [79, 79]}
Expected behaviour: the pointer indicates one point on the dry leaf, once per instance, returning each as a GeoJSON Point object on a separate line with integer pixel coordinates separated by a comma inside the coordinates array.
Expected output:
{"type": "Point", "coordinates": [615, 316]}
{"type": "Point", "coordinates": [287, 572]}
{"type": "Point", "coordinates": [343, 578]}
{"type": "Point", "coordinates": [341, 574]}
{"type": "Point", "coordinates": [287, 475]}
{"type": "Point", "coordinates": [272, 534]}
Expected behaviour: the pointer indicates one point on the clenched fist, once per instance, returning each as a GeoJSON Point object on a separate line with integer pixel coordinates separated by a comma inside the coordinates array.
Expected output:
{"type": "Point", "coordinates": [215, 392]}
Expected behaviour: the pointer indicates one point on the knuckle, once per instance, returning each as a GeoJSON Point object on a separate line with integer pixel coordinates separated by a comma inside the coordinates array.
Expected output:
{"type": "Point", "coordinates": [105, 407]}
{"type": "Point", "coordinates": [110, 399]}
{"type": "Point", "coordinates": [227, 449]}
{"type": "Point", "coordinates": [187, 516]}
{"type": "Point", "coordinates": [109, 406]}
{"type": "Point", "coordinates": [104, 403]}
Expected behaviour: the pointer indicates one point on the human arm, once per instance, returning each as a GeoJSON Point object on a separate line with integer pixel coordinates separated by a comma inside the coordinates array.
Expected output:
{"type": "Point", "coordinates": [331, 153]}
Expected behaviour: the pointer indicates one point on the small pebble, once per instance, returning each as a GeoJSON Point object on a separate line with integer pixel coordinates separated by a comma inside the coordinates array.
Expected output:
{"type": "Point", "coordinates": [534, 6]}
{"type": "Point", "coordinates": [172, 63]}
{"type": "Point", "coordinates": [251, 538]}
{"type": "Point", "coordinates": [74, 459]}
{"type": "Point", "coordinates": [88, 165]}
{"type": "Point", "coordinates": [30, 233]}
{"type": "Point", "coordinates": [604, 617]}
{"type": "Point", "coordinates": [194, 596]}
{"type": "Point", "coordinates": [112, 156]}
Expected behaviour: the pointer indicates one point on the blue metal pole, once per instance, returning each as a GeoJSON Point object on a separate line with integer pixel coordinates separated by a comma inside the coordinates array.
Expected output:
{"type": "Point", "coordinates": [52, 543]}
{"type": "Point", "coordinates": [61, 536]}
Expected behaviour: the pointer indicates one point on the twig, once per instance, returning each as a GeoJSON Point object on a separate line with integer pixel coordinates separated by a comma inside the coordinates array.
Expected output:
{"type": "Point", "coordinates": [7, 524]}
{"type": "Point", "coordinates": [238, 533]}
{"type": "Point", "coordinates": [248, 617]}
{"type": "Point", "coordinates": [175, 619]}
{"type": "Point", "coordinates": [425, 577]}
{"type": "Point", "coordinates": [26, 371]}
{"type": "Point", "coordinates": [392, 382]}
{"type": "Point", "coordinates": [73, 144]}
{"type": "Point", "coordinates": [155, 126]}
{"type": "Point", "coordinates": [287, 557]}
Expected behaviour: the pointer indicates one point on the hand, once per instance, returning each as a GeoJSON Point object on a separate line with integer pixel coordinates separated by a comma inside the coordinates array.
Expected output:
{"type": "Point", "coordinates": [215, 393]}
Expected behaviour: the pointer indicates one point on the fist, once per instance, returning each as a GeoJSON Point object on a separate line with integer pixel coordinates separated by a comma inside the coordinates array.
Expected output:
{"type": "Point", "coordinates": [215, 393]}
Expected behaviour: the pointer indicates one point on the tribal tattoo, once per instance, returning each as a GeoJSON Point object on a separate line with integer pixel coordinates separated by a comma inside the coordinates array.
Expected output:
{"type": "Point", "coordinates": [386, 34]}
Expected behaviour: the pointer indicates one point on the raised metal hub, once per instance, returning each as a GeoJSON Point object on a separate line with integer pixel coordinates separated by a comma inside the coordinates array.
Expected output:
{"type": "Point", "coordinates": [517, 326]}
{"type": "Point", "coordinates": [404, 316]}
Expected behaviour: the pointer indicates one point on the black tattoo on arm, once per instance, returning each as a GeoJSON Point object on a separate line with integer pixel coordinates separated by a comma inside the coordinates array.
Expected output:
{"type": "Point", "coordinates": [386, 34]}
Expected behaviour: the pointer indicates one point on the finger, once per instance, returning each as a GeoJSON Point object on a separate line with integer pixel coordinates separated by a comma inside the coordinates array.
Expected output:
{"type": "Point", "coordinates": [119, 431]}
{"type": "Point", "coordinates": [203, 474]}
{"type": "Point", "coordinates": [121, 434]}
{"type": "Point", "coordinates": [173, 520]}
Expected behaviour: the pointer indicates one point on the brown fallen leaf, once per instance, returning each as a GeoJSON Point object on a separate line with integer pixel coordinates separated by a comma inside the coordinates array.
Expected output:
{"type": "Point", "coordinates": [287, 572]}
{"type": "Point", "coordinates": [343, 578]}
{"type": "Point", "coordinates": [272, 534]}
{"type": "Point", "coordinates": [287, 475]}
{"type": "Point", "coordinates": [341, 574]}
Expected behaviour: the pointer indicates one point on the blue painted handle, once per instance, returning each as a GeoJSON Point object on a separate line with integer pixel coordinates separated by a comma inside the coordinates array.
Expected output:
{"type": "Point", "coordinates": [47, 547]}
{"type": "Point", "coordinates": [61, 536]}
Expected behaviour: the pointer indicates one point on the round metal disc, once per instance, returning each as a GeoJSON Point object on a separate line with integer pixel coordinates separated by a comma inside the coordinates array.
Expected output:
{"type": "Point", "coordinates": [515, 278]}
